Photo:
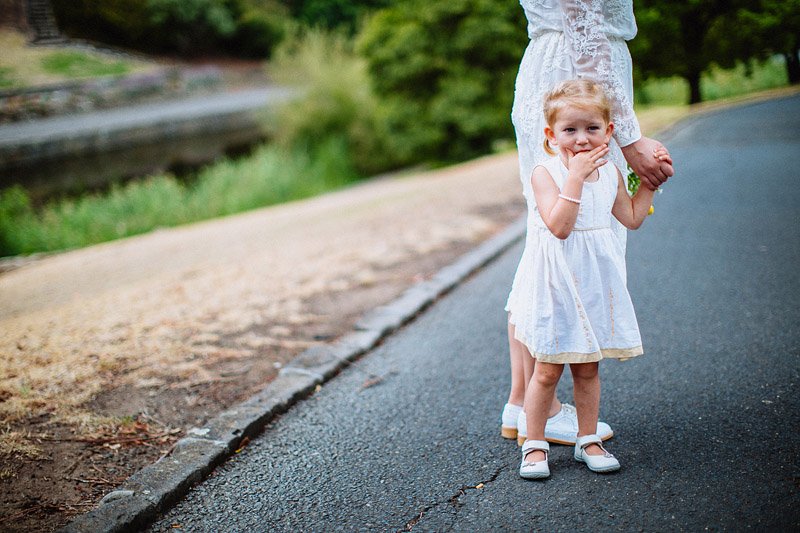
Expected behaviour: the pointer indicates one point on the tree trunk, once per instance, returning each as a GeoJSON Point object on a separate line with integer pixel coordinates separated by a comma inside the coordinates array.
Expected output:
{"type": "Point", "coordinates": [793, 67]}
{"type": "Point", "coordinates": [694, 87]}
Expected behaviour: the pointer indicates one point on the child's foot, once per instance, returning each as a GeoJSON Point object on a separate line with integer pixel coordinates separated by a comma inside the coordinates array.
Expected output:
{"type": "Point", "coordinates": [589, 449]}
{"type": "Point", "coordinates": [508, 421]}
{"type": "Point", "coordinates": [534, 460]}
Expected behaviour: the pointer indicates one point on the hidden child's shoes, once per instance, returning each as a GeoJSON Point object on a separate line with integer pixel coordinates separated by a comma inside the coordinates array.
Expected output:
{"type": "Point", "coordinates": [535, 469]}
{"type": "Point", "coordinates": [561, 428]}
{"type": "Point", "coordinates": [508, 427]}
{"type": "Point", "coordinates": [597, 463]}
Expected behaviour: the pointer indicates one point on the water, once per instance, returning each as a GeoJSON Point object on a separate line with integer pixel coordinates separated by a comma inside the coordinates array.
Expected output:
{"type": "Point", "coordinates": [78, 174]}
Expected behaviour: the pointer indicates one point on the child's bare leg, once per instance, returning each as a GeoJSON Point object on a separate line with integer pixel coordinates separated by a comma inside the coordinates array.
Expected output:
{"type": "Point", "coordinates": [586, 380]}
{"type": "Point", "coordinates": [538, 398]}
{"type": "Point", "coordinates": [522, 365]}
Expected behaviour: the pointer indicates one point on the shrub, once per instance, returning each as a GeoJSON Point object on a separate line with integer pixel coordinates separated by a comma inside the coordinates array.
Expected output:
{"type": "Point", "coordinates": [190, 27]}
{"type": "Point", "coordinates": [257, 34]}
{"type": "Point", "coordinates": [337, 102]}
{"type": "Point", "coordinates": [444, 72]}
{"type": "Point", "coordinates": [333, 14]}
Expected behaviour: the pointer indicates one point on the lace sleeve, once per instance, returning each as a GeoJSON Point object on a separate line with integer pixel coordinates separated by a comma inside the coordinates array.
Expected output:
{"type": "Point", "coordinates": [591, 57]}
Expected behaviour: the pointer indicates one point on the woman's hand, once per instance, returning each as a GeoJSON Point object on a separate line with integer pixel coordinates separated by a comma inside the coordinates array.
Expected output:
{"type": "Point", "coordinates": [583, 164]}
{"type": "Point", "coordinates": [650, 160]}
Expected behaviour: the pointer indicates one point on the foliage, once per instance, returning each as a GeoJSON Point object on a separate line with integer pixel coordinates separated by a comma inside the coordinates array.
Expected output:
{"type": "Point", "coordinates": [686, 38]}
{"type": "Point", "coordinates": [336, 103]}
{"type": "Point", "coordinates": [191, 22]}
{"type": "Point", "coordinates": [333, 14]}
{"type": "Point", "coordinates": [5, 77]}
{"type": "Point", "coordinates": [75, 64]}
{"type": "Point", "coordinates": [258, 33]}
{"type": "Point", "coordinates": [715, 83]}
{"type": "Point", "coordinates": [445, 73]}
{"type": "Point", "coordinates": [189, 27]}
{"type": "Point", "coordinates": [675, 39]}
{"type": "Point", "coordinates": [760, 28]}
{"type": "Point", "coordinates": [271, 175]}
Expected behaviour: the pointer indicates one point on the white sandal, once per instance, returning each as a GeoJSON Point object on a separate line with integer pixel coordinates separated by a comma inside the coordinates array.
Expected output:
{"type": "Point", "coordinates": [537, 469]}
{"type": "Point", "coordinates": [596, 463]}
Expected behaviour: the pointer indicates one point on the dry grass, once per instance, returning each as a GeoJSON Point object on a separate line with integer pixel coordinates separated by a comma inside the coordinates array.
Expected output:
{"type": "Point", "coordinates": [16, 445]}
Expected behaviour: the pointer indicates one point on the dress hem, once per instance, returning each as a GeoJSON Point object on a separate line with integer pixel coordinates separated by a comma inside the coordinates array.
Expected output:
{"type": "Point", "coordinates": [620, 354]}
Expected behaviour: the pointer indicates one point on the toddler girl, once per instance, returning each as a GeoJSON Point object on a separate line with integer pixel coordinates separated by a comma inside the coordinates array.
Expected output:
{"type": "Point", "coordinates": [575, 308]}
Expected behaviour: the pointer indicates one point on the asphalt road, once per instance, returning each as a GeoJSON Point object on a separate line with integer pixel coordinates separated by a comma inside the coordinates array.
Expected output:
{"type": "Point", "coordinates": [706, 422]}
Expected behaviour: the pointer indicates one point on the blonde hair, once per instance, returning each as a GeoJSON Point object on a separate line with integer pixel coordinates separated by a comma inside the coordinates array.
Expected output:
{"type": "Point", "coordinates": [583, 94]}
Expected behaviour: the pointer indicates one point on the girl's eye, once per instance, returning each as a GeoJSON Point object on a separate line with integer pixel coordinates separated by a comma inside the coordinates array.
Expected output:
{"type": "Point", "coordinates": [569, 130]}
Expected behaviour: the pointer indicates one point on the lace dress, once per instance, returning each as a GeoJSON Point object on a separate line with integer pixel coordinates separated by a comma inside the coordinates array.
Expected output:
{"type": "Point", "coordinates": [571, 39]}
{"type": "Point", "coordinates": [574, 307]}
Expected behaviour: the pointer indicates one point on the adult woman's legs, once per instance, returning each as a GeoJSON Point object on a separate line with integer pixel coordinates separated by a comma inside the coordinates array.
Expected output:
{"type": "Point", "coordinates": [522, 369]}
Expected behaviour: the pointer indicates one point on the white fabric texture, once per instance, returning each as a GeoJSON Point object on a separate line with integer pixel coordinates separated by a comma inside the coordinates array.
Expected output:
{"type": "Point", "coordinates": [570, 39]}
{"type": "Point", "coordinates": [570, 302]}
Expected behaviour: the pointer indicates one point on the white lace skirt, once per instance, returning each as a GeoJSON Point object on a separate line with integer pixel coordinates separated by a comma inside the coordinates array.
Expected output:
{"type": "Point", "coordinates": [547, 62]}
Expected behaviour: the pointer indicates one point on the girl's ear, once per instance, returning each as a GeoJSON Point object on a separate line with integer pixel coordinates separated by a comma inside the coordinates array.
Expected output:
{"type": "Point", "coordinates": [609, 131]}
{"type": "Point", "coordinates": [550, 135]}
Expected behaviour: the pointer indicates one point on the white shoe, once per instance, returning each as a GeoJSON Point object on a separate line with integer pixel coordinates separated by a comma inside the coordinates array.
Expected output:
{"type": "Point", "coordinates": [522, 428]}
{"type": "Point", "coordinates": [508, 427]}
{"type": "Point", "coordinates": [562, 427]}
{"type": "Point", "coordinates": [537, 469]}
{"type": "Point", "coordinates": [596, 463]}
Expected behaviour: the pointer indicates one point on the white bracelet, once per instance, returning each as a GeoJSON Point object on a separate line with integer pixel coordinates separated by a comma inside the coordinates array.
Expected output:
{"type": "Point", "coordinates": [567, 198]}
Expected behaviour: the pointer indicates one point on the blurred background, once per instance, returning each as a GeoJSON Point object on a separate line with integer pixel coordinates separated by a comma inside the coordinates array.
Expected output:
{"type": "Point", "coordinates": [328, 93]}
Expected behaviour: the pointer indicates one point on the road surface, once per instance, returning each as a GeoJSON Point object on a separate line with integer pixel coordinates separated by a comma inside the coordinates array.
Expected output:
{"type": "Point", "coordinates": [706, 421]}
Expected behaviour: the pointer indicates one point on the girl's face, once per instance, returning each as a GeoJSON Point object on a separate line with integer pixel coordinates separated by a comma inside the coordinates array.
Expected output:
{"type": "Point", "coordinates": [578, 130]}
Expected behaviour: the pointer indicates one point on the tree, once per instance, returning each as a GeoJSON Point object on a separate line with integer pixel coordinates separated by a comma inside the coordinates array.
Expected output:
{"type": "Point", "coordinates": [760, 28]}
{"type": "Point", "coordinates": [675, 39]}
{"type": "Point", "coordinates": [189, 27]}
{"type": "Point", "coordinates": [444, 72]}
{"type": "Point", "coordinates": [333, 14]}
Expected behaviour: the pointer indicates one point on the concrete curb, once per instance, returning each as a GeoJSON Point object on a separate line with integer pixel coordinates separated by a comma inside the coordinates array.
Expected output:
{"type": "Point", "coordinates": [153, 489]}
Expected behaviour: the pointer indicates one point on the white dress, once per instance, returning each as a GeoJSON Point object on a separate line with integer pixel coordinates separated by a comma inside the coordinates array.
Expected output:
{"type": "Point", "coordinates": [574, 306]}
{"type": "Point", "coordinates": [573, 39]}
{"type": "Point", "coordinates": [570, 39]}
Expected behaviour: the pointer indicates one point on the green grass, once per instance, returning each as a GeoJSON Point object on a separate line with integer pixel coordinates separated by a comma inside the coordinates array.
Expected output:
{"type": "Point", "coordinates": [715, 84]}
{"type": "Point", "coordinates": [5, 77]}
{"type": "Point", "coordinates": [72, 64]}
{"type": "Point", "coordinates": [269, 176]}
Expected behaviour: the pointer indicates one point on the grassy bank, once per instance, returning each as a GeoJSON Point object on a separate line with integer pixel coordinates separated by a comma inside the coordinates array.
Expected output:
{"type": "Point", "coordinates": [269, 176]}
{"type": "Point", "coordinates": [23, 65]}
